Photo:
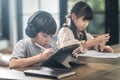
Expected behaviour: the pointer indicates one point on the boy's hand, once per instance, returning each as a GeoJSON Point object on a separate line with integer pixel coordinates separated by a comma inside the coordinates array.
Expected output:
{"type": "Point", "coordinates": [48, 53]}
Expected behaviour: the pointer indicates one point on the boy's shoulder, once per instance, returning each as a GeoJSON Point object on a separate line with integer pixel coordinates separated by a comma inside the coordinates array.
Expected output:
{"type": "Point", "coordinates": [24, 41]}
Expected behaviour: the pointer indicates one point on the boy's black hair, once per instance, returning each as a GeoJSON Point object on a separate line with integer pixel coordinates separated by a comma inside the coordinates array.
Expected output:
{"type": "Point", "coordinates": [41, 21]}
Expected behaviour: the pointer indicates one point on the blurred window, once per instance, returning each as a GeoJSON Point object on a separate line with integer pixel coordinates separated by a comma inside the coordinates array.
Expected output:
{"type": "Point", "coordinates": [0, 20]}
{"type": "Point", "coordinates": [119, 21]}
{"type": "Point", "coordinates": [44, 5]}
{"type": "Point", "coordinates": [4, 23]}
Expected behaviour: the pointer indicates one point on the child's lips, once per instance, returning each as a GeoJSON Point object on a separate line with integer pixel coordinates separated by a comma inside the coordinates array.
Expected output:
{"type": "Point", "coordinates": [82, 28]}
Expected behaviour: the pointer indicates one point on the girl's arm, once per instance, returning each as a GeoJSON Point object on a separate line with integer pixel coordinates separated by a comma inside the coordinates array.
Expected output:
{"type": "Point", "coordinates": [65, 38]}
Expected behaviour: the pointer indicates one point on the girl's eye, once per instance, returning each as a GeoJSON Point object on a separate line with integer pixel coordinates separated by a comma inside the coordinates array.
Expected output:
{"type": "Point", "coordinates": [84, 19]}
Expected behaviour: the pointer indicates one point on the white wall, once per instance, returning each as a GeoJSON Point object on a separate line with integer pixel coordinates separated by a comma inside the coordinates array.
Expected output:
{"type": "Point", "coordinates": [13, 22]}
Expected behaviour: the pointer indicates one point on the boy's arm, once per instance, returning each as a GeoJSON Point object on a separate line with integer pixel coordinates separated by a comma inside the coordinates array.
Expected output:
{"type": "Point", "coordinates": [24, 62]}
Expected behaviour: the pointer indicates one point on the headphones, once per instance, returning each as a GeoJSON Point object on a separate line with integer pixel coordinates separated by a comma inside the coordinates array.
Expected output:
{"type": "Point", "coordinates": [31, 30]}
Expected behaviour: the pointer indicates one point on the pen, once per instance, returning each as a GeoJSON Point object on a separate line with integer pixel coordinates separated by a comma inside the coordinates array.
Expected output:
{"type": "Point", "coordinates": [40, 46]}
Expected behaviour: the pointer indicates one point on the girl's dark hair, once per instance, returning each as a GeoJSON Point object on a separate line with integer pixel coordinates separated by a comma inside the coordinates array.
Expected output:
{"type": "Point", "coordinates": [41, 21]}
{"type": "Point", "coordinates": [81, 9]}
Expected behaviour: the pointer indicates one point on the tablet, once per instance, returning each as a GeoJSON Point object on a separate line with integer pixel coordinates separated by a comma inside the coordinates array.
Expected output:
{"type": "Point", "coordinates": [63, 58]}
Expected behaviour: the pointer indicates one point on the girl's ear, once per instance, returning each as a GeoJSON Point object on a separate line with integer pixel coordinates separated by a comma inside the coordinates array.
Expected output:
{"type": "Point", "coordinates": [73, 16]}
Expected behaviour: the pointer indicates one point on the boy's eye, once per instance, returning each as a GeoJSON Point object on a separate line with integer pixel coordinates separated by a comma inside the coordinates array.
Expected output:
{"type": "Point", "coordinates": [46, 35]}
{"type": "Point", "coordinates": [51, 36]}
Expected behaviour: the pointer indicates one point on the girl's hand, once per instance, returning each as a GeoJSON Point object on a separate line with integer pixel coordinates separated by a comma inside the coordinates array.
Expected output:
{"type": "Point", "coordinates": [81, 49]}
{"type": "Point", "coordinates": [76, 51]}
{"type": "Point", "coordinates": [107, 49]}
{"type": "Point", "coordinates": [102, 39]}
{"type": "Point", "coordinates": [99, 40]}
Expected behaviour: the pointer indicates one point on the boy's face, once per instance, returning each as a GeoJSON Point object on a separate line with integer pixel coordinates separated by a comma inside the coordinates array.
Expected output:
{"type": "Point", "coordinates": [43, 39]}
{"type": "Point", "coordinates": [81, 23]}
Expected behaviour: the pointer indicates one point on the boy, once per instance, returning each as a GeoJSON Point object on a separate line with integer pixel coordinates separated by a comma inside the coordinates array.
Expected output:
{"type": "Point", "coordinates": [41, 27]}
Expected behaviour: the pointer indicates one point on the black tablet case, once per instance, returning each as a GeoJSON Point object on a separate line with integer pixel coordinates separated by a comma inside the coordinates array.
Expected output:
{"type": "Point", "coordinates": [50, 72]}
{"type": "Point", "coordinates": [64, 58]}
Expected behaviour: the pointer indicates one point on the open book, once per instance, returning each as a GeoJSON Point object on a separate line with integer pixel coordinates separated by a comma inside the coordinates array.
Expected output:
{"type": "Point", "coordinates": [50, 72]}
{"type": "Point", "coordinates": [93, 53]}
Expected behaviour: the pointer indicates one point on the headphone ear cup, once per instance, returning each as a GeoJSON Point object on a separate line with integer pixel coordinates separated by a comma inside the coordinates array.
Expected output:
{"type": "Point", "coordinates": [31, 31]}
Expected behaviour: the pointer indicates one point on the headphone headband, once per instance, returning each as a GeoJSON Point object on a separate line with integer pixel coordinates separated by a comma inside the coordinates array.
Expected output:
{"type": "Point", "coordinates": [31, 30]}
{"type": "Point", "coordinates": [33, 17]}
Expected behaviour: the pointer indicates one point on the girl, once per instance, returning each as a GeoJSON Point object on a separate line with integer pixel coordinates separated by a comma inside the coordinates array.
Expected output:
{"type": "Point", "coordinates": [74, 31]}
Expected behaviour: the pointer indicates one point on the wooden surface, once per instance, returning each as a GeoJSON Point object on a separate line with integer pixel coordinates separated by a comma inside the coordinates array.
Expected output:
{"type": "Point", "coordinates": [82, 73]}
{"type": "Point", "coordinates": [96, 69]}
{"type": "Point", "coordinates": [116, 48]}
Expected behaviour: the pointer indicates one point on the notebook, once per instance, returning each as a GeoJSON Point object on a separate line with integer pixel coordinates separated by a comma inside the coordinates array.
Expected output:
{"type": "Point", "coordinates": [96, 54]}
{"type": "Point", "coordinates": [63, 58]}
{"type": "Point", "coordinates": [50, 72]}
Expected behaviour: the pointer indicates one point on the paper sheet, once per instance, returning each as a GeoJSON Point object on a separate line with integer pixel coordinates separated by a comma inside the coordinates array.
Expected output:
{"type": "Point", "coordinates": [92, 53]}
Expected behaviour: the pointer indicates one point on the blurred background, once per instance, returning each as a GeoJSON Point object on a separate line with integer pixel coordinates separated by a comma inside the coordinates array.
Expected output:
{"type": "Point", "coordinates": [15, 13]}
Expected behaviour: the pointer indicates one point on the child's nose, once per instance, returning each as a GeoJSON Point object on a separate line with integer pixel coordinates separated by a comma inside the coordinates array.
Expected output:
{"type": "Point", "coordinates": [48, 38]}
{"type": "Point", "coordinates": [86, 23]}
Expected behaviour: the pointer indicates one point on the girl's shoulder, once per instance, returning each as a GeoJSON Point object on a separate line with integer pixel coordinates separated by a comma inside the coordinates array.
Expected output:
{"type": "Point", "coordinates": [65, 29]}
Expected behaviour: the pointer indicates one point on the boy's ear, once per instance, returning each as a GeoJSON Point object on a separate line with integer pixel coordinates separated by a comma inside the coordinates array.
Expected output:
{"type": "Point", "coordinates": [73, 16]}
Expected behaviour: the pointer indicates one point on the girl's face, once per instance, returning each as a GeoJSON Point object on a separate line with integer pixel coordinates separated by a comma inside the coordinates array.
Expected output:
{"type": "Point", "coordinates": [80, 22]}
{"type": "Point", "coordinates": [43, 39]}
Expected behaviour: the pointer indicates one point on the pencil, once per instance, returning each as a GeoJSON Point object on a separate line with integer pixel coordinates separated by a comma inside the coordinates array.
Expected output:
{"type": "Point", "coordinates": [40, 46]}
